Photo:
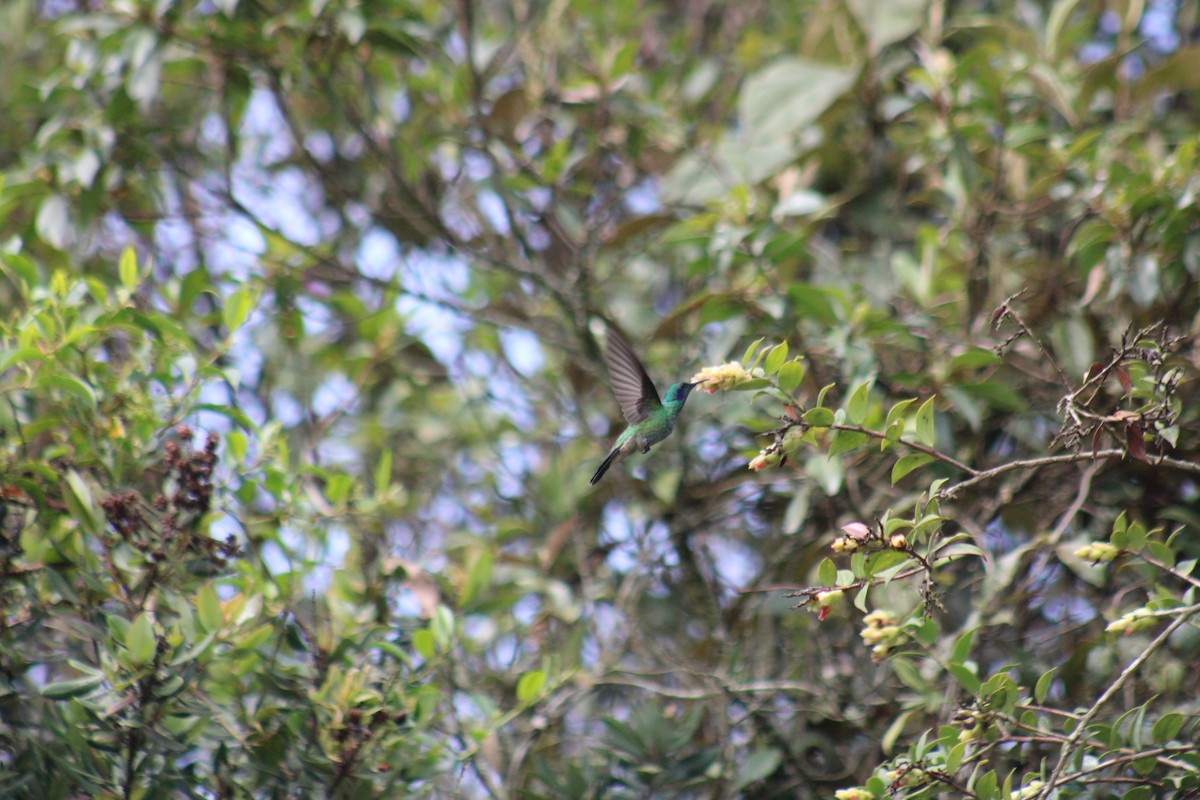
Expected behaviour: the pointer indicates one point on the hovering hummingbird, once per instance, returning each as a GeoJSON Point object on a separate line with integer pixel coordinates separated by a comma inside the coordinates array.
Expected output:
{"type": "Point", "coordinates": [650, 420]}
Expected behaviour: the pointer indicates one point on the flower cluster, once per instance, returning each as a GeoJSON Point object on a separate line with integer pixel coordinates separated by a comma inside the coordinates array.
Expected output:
{"type": "Point", "coordinates": [721, 378]}
{"type": "Point", "coordinates": [1097, 552]}
{"type": "Point", "coordinates": [882, 633]}
{"type": "Point", "coordinates": [904, 775]}
{"type": "Point", "coordinates": [972, 724]}
{"type": "Point", "coordinates": [856, 535]}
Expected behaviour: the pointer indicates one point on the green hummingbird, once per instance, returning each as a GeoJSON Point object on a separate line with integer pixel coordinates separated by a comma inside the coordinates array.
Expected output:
{"type": "Point", "coordinates": [650, 419]}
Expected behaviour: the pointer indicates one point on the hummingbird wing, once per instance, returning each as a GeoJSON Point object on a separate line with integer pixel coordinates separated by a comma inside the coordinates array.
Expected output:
{"type": "Point", "coordinates": [630, 383]}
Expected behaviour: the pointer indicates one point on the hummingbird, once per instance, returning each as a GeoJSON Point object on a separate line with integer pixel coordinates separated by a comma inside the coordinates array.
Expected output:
{"type": "Point", "coordinates": [650, 419]}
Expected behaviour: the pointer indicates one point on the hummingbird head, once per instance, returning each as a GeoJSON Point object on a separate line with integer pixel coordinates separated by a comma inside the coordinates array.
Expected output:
{"type": "Point", "coordinates": [678, 392]}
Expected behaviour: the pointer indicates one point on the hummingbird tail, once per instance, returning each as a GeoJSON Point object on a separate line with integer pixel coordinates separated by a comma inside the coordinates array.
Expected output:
{"type": "Point", "coordinates": [608, 462]}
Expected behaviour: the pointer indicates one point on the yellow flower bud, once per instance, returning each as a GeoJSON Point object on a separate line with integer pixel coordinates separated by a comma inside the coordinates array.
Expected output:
{"type": "Point", "coordinates": [852, 794]}
{"type": "Point", "coordinates": [765, 458]}
{"type": "Point", "coordinates": [1136, 620]}
{"type": "Point", "coordinates": [828, 598]}
{"type": "Point", "coordinates": [879, 618]}
{"type": "Point", "coordinates": [844, 544]}
{"type": "Point", "coordinates": [1097, 551]}
{"type": "Point", "coordinates": [889, 634]}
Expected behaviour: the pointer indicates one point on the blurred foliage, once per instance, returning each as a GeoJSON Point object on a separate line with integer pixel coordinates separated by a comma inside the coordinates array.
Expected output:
{"type": "Point", "coordinates": [300, 388]}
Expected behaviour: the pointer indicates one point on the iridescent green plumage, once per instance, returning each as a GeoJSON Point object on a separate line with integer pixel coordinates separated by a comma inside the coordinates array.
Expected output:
{"type": "Point", "coordinates": [650, 419]}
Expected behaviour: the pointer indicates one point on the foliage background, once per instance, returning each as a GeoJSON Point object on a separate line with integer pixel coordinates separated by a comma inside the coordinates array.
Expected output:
{"type": "Point", "coordinates": [302, 312]}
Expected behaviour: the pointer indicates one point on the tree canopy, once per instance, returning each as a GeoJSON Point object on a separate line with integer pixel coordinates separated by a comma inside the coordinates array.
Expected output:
{"type": "Point", "coordinates": [301, 385]}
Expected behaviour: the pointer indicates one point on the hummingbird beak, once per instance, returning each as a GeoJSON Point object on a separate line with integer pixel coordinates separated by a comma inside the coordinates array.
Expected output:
{"type": "Point", "coordinates": [697, 383]}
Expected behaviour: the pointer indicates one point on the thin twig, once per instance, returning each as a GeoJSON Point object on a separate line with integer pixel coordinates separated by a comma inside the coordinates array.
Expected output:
{"type": "Point", "coordinates": [920, 448]}
{"type": "Point", "coordinates": [949, 492]}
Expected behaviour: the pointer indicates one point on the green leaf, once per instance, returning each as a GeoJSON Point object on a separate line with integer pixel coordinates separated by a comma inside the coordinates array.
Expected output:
{"type": "Point", "coordinates": [965, 676]}
{"type": "Point", "coordinates": [19, 355]}
{"type": "Point", "coordinates": [77, 333]}
{"type": "Point", "coordinates": [208, 609]}
{"type": "Point", "coordinates": [790, 376]}
{"type": "Point", "coordinates": [1136, 533]}
{"type": "Point", "coordinates": [235, 415]}
{"type": "Point", "coordinates": [758, 766]}
{"type": "Point", "coordinates": [988, 786]}
{"type": "Point", "coordinates": [140, 640]}
{"type": "Point", "coordinates": [821, 394]}
{"type": "Point", "coordinates": [1145, 765]}
{"type": "Point", "coordinates": [860, 597]}
{"type": "Point", "coordinates": [973, 359]}
{"type": "Point", "coordinates": [888, 741]}
{"type": "Point", "coordinates": [925, 433]}
{"type": "Point", "coordinates": [847, 440]}
{"type": "Point", "coordinates": [818, 417]}
{"type": "Point", "coordinates": [424, 644]}
{"type": "Point", "coordinates": [783, 98]}
{"type": "Point", "coordinates": [442, 625]}
{"type": "Point", "coordinates": [66, 382]}
{"type": "Point", "coordinates": [906, 464]}
{"type": "Point", "coordinates": [383, 472]}
{"type": "Point", "coordinates": [827, 572]}
{"type": "Point", "coordinates": [954, 757]}
{"type": "Point", "coordinates": [775, 358]}
{"type": "Point", "coordinates": [62, 690]}
{"type": "Point", "coordinates": [884, 559]}
{"type": "Point", "coordinates": [23, 268]}
{"type": "Point", "coordinates": [128, 268]}
{"type": "Point", "coordinates": [909, 675]}
{"type": "Point", "coordinates": [337, 487]}
{"type": "Point", "coordinates": [896, 412]}
{"type": "Point", "coordinates": [1056, 24]}
{"type": "Point", "coordinates": [1161, 552]}
{"type": "Point", "coordinates": [196, 650]}
{"type": "Point", "coordinates": [1042, 687]}
{"type": "Point", "coordinates": [479, 578]}
{"type": "Point", "coordinates": [887, 23]}
{"type": "Point", "coordinates": [236, 445]}
{"type": "Point", "coordinates": [891, 435]}
{"type": "Point", "coordinates": [856, 408]}
{"type": "Point", "coordinates": [81, 505]}
{"type": "Point", "coordinates": [962, 646]}
{"type": "Point", "coordinates": [752, 385]}
{"type": "Point", "coordinates": [1119, 538]}
{"type": "Point", "coordinates": [996, 394]}
{"type": "Point", "coordinates": [237, 308]}
{"type": "Point", "coordinates": [530, 685]}
{"type": "Point", "coordinates": [750, 353]}
{"type": "Point", "coordinates": [926, 632]}
{"type": "Point", "coordinates": [254, 639]}
{"type": "Point", "coordinates": [1166, 727]}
